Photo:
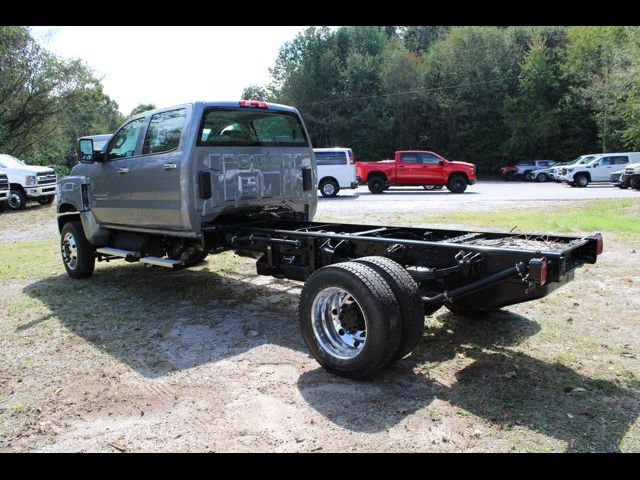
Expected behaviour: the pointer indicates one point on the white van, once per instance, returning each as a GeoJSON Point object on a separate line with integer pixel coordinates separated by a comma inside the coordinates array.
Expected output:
{"type": "Point", "coordinates": [336, 170]}
{"type": "Point", "coordinates": [599, 169]}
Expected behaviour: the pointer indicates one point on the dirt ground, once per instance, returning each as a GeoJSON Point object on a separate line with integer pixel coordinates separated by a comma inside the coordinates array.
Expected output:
{"type": "Point", "coordinates": [211, 359]}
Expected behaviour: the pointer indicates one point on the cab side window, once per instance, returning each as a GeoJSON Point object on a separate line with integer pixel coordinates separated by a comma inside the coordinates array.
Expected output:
{"type": "Point", "coordinates": [123, 143]}
{"type": "Point", "coordinates": [409, 158]}
{"type": "Point", "coordinates": [428, 159]}
{"type": "Point", "coordinates": [164, 131]}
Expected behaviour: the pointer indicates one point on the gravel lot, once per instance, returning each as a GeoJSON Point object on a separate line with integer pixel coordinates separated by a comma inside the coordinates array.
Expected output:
{"type": "Point", "coordinates": [211, 359]}
{"type": "Point", "coordinates": [485, 195]}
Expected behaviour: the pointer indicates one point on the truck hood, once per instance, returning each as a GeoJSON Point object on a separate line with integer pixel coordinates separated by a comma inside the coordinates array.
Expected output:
{"type": "Point", "coordinates": [29, 170]}
{"type": "Point", "coordinates": [462, 164]}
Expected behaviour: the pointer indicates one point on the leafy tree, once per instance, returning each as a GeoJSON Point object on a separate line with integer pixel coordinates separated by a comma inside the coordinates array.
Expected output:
{"type": "Point", "coordinates": [255, 92]}
{"type": "Point", "coordinates": [142, 107]}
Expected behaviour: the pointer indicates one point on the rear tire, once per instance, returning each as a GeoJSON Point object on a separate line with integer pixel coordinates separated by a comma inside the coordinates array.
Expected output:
{"type": "Point", "coordinates": [542, 177]}
{"type": "Point", "coordinates": [350, 319]}
{"type": "Point", "coordinates": [635, 183]}
{"type": "Point", "coordinates": [329, 188]}
{"type": "Point", "coordinates": [409, 298]}
{"type": "Point", "coordinates": [48, 200]}
{"type": "Point", "coordinates": [78, 255]}
{"type": "Point", "coordinates": [457, 183]}
{"type": "Point", "coordinates": [376, 184]}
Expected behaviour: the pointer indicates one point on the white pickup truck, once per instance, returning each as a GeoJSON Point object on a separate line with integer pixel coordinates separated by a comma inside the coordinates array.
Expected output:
{"type": "Point", "coordinates": [28, 182]}
{"type": "Point", "coordinates": [599, 169]}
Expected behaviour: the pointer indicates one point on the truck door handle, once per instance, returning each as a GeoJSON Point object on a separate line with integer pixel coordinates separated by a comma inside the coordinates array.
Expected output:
{"type": "Point", "coordinates": [169, 166]}
{"type": "Point", "coordinates": [123, 170]}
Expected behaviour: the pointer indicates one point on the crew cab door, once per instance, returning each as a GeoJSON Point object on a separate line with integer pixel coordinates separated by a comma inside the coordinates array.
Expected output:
{"type": "Point", "coordinates": [110, 188]}
{"type": "Point", "coordinates": [601, 171]}
{"type": "Point", "coordinates": [155, 175]}
{"type": "Point", "coordinates": [408, 169]}
{"type": "Point", "coordinates": [430, 171]}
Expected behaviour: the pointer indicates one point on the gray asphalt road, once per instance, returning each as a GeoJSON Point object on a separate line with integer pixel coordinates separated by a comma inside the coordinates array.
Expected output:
{"type": "Point", "coordinates": [485, 195]}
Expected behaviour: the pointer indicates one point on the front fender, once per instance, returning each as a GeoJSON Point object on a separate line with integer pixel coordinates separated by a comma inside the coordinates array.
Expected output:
{"type": "Point", "coordinates": [69, 194]}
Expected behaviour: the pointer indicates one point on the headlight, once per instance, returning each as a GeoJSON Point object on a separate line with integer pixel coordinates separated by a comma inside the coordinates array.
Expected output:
{"type": "Point", "coordinates": [31, 180]}
{"type": "Point", "coordinates": [636, 171]}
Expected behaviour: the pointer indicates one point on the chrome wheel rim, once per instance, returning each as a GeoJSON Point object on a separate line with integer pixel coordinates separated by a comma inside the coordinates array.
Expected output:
{"type": "Point", "coordinates": [14, 200]}
{"type": "Point", "coordinates": [429, 187]}
{"type": "Point", "coordinates": [69, 250]}
{"type": "Point", "coordinates": [328, 189]}
{"type": "Point", "coordinates": [339, 324]}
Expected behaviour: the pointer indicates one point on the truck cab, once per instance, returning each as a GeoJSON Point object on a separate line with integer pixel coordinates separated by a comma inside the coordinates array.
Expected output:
{"type": "Point", "coordinates": [168, 173]}
{"type": "Point", "coordinates": [28, 182]}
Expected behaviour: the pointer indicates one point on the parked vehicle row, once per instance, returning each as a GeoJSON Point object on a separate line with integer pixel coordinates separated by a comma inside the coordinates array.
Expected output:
{"type": "Point", "coordinates": [598, 169]}
{"type": "Point", "coordinates": [27, 182]}
{"type": "Point", "coordinates": [629, 177]}
{"type": "Point", "coordinates": [521, 170]}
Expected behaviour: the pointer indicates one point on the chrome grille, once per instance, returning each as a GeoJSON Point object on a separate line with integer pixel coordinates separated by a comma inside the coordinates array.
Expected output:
{"type": "Point", "coordinates": [47, 179]}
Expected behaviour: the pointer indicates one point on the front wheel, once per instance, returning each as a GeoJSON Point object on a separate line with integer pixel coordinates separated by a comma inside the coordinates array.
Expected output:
{"type": "Point", "coordinates": [582, 181]}
{"type": "Point", "coordinates": [457, 184]}
{"type": "Point", "coordinates": [17, 200]}
{"type": "Point", "coordinates": [429, 187]}
{"type": "Point", "coordinates": [350, 319]}
{"type": "Point", "coordinates": [635, 183]}
{"type": "Point", "coordinates": [47, 200]}
{"type": "Point", "coordinates": [329, 188]}
{"type": "Point", "coordinates": [376, 185]}
{"type": "Point", "coordinates": [78, 255]}
{"type": "Point", "coordinates": [542, 177]}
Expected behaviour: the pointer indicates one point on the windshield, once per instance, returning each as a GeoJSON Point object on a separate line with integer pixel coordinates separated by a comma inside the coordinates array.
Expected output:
{"type": "Point", "coordinates": [7, 161]}
{"type": "Point", "coordinates": [240, 127]}
{"type": "Point", "coordinates": [587, 159]}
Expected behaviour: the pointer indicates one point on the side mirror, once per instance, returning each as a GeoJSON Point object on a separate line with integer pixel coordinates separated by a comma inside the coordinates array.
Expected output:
{"type": "Point", "coordinates": [85, 150]}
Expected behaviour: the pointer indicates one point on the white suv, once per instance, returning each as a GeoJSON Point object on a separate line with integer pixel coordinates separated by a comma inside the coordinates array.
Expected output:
{"type": "Point", "coordinates": [28, 181]}
{"type": "Point", "coordinates": [336, 170]}
{"type": "Point", "coordinates": [599, 169]}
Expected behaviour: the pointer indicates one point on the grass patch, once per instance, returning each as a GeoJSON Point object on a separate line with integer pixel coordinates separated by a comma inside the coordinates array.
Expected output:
{"type": "Point", "coordinates": [30, 260]}
{"type": "Point", "coordinates": [620, 217]}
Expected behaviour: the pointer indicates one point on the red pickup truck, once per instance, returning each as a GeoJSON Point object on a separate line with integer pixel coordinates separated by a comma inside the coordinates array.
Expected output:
{"type": "Point", "coordinates": [417, 167]}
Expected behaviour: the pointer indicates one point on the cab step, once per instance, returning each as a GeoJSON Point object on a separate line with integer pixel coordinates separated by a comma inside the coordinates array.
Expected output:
{"type": "Point", "coordinates": [130, 256]}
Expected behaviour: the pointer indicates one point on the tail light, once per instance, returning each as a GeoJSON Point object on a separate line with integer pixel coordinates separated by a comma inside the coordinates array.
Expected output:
{"type": "Point", "coordinates": [599, 243]}
{"type": "Point", "coordinates": [253, 104]}
{"type": "Point", "coordinates": [538, 270]}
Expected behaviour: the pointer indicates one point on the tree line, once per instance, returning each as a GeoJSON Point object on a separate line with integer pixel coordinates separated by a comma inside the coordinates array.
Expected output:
{"type": "Point", "coordinates": [47, 102]}
{"type": "Point", "coordinates": [486, 94]}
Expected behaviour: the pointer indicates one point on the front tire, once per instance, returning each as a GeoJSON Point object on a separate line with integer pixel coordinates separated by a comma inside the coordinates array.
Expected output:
{"type": "Point", "coordinates": [78, 255]}
{"type": "Point", "coordinates": [635, 183]}
{"type": "Point", "coordinates": [429, 187]}
{"type": "Point", "coordinates": [17, 200]}
{"type": "Point", "coordinates": [48, 200]}
{"type": "Point", "coordinates": [376, 184]}
{"type": "Point", "coordinates": [457, 183]}
{"type": "Point", "coordinates": [350, 319]}
{"type": "Point", "coordinates": [581, 181]}
{"type": "Point", "coordinates": [409, 298]}
{"type": "Point", "coordinates": [542, 177]}
{"type": "Point", "coordinates": [329, 188]}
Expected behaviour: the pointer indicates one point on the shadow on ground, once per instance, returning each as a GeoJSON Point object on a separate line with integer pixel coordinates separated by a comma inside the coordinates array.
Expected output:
{"type": "Point", "coordinates": [162, 321]}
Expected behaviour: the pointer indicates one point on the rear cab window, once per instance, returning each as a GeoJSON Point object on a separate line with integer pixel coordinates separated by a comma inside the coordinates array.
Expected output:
{"type": "Point", "coordinates": [241, 127]}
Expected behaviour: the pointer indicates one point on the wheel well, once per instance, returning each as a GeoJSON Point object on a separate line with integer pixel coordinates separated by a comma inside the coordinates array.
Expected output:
{"type": "Point", "coordinates": [458, 173]}
{"type": "Point", "coordinates": [587, 174]}
{"type": "Point", "coordinates": [16, 186]}
{"type": "Point", "coordinates": [68, 209]}
{"type": "Point", "coordinates": [327, 178]}
{"type": "Point", "coordinates": [376, 174]}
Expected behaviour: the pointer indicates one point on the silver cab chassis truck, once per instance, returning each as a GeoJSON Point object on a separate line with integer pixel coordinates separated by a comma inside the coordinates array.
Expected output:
{"type": "Point", "coordinates": [176, 184]}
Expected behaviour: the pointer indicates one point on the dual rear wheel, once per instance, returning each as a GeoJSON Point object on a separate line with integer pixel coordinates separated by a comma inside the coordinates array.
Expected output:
{"type": "Point", "coordinates": [357, 317]}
